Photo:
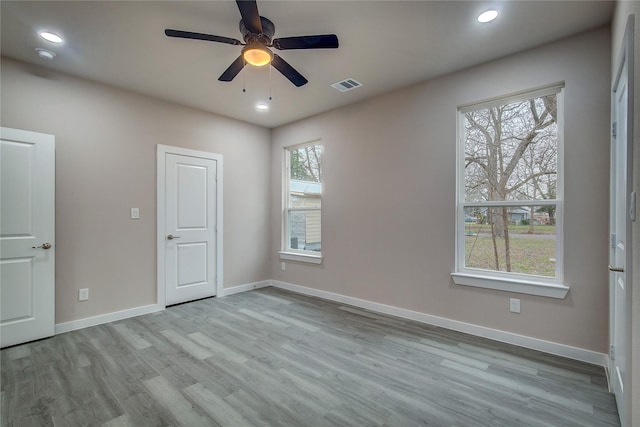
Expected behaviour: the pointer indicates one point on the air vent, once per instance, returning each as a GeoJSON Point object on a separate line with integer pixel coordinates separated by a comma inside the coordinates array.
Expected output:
{"type": "Point", "coordinates": [346, 85]}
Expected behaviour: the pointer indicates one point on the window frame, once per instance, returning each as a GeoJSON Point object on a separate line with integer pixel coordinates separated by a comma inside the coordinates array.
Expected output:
{"type": "Point", "coordinates": [286, 252]}
{"type": "Point", "coordinates": [553, 287]}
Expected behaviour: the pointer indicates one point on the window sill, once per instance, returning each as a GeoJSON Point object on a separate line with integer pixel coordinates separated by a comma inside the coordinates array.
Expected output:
{"type": "Point", "coordinates": [529, 287]}
{"type": "Point", "coordinates": [294, 256]}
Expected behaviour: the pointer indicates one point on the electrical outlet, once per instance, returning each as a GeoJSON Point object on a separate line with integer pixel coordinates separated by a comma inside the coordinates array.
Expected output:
{"type": "Point", "coordinates": [283, 266]}
{"type": "Point", "coordinates": [83, 294]}
{"type": "Point", "coordinates": [514, 305]}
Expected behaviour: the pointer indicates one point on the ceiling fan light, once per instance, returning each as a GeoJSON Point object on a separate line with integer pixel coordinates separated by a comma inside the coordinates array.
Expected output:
{"type": "Point", "coordinates": [257, 55]}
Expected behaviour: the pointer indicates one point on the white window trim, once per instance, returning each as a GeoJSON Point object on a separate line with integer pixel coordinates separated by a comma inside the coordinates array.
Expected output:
{"type": "Point", "coordinates": [530, 287]}
{"type": "Point", "coordinates": [300, 257]}
{"type": "Point", "coordinates": [553, 287]}
{"type": "Point", "coordinates": [311, 257]}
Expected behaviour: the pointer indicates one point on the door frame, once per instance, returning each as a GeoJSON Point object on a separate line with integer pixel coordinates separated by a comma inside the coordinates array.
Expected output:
{"type": "Point", "coordinates": [162, 151]}
{"type": "Point", "coordinates": [625, 59]}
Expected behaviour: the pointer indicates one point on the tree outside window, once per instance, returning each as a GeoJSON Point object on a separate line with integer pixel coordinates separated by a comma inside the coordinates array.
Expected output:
{"type": "Point", "coordinates": [509, 199]}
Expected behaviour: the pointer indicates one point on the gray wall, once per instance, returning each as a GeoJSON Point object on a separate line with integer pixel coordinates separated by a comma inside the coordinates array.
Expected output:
{"type": "Point", "coordinates": [389, 195]}
{"type": "Point", "coordinates": [389, 191]}
{"type": "Point", "coordinates": [106, 163]}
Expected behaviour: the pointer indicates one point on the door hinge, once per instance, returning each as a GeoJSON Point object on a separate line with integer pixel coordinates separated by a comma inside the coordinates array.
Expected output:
{"type": "Point", "coordinates": [612, 352]}
{"type": "Point", "coordinates": [614, 129]}
{"type": "Point", "coordinates": [613, 241]}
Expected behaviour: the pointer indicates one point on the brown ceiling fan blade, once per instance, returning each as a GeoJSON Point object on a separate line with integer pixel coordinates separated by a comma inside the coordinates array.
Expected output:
{"type": "Point", "coordinates": [320, 41]}
{"type": "Point", "coordinates": [233, 70]}
{"type": "Point", "coordinates": [199, 36]}
{"type": "Point", "coordinates": [288, 71]}
{"type": "Point", "coordinates": [250, 15]}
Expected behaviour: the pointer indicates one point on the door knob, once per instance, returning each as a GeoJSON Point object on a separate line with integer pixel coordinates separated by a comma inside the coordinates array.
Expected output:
{"type": "Point", "coordinates": [42, 246]}
{"type": "Point", "coordinates": [171, 237]}
{"type": "Point", "coordinates": [616, 269]}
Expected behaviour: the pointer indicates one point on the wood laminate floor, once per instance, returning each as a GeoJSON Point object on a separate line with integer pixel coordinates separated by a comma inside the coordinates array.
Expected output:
{"type": "Point", "coordinates": [274, 358]}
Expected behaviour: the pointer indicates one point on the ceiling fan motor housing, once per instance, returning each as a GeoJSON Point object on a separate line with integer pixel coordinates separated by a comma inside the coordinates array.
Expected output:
{"type": "Point", "coordinates": [268, 29]}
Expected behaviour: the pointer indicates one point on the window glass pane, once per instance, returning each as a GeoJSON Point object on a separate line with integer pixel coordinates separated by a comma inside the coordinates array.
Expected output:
{"type": "Point", "coordinates": [305, 198]}
{"type": "Point", "coordinates": [305, 179]}
{"type": "Point", "coordinates": [511, 151]}
{"type": "Point", "coordinates": [304, 230]}
{"type": "Point", "coordinates": [306, 163]}
{"type": "Point", "coordinates": [518, 239]}
{"type": "Point", "coordinates": [304, 194]}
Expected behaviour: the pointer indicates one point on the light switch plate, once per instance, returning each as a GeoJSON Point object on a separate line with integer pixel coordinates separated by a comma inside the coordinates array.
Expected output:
{"type": "Point", "coordinates": [135, 213]}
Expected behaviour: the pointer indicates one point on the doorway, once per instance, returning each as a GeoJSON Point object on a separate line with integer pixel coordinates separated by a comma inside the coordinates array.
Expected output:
{"type": "Point", "coordinates": [27, 228]}
{"type": "Point", "coordinates": [189, 231]}
{"type": "Point", "coordinates": [621, 213]}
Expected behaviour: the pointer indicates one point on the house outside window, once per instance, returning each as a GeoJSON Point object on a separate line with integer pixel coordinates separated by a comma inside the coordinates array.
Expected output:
{"type": "Point", "coordinates": [510, 200]}
{"type": "Point", "coordinates": [302, 224]}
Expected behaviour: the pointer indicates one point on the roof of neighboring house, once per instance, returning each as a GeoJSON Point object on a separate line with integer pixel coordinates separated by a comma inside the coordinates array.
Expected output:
{"type": "Point", "coordinates": [306, 187]}
{"type": "Point", "coordinates": [525, 211]}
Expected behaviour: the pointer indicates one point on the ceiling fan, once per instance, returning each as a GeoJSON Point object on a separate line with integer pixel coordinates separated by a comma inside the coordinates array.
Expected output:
{"type": "Point", "coordinates": [257, 32]}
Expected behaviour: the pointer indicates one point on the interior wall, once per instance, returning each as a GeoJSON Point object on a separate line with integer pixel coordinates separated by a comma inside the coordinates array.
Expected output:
{"type": "Point", "coordinates": [106, 164]}
{"type": "Point", "coordinates": [623, 10]}
{"type": "Point", "coordinates": [389, 195]}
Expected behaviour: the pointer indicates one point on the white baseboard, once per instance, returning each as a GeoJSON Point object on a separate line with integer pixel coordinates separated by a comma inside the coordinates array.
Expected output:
{"type": "Point", "coordinates": [244, 288]}
{"type": "Point", "coordinates": [481, 331]}
{"type": "Point", "coordinates": [138, 311]}
{"type": "Point", "coordinates": [106, 318]}
{"type": "Point", "coordinates": [607, 361]}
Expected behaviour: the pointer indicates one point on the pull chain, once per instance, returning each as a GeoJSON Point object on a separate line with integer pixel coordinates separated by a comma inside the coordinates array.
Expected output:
{"type": "Point", "coordinates": [270, 83]}
{"type": "Point", "coordinates": [244, 73]}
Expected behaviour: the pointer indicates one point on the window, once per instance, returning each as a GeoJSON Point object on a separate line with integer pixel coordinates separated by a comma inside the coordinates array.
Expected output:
{"type": "Point", "coordinates": [302, 225]}
{"type": "Point", "coordinates": [509, 216]}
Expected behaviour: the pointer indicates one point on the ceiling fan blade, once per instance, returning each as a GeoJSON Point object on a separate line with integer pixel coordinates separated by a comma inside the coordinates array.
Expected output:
{"type": "Point", "coordinates": [233, 70]}
{"type": "Point", "coordinates": [250, 15]}
{"type": "Point", "coordinates": [199, 36]}
{"type": "Point", "coordinates": [321, 41]}
{"type": "Point", "coordinates": [288, 71]}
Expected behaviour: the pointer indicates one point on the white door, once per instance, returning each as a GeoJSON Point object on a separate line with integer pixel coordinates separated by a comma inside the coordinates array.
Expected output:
{"type": "Point", "coordinates": [620, 229]}
{"type": "Point", "coordinates": [190, 225]}
{"type": "Point", "coordinates": [27, 221]}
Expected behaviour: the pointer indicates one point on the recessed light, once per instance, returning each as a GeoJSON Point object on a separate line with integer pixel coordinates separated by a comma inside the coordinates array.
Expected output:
{"type": "Point", "coordinates": [51, 37]}
{"type": "Point", "coordinates": [44, 53]}
{"type": "Point", "coordinates": [487, 16]}
{"type": "Point", "coordinates": [262, 106]}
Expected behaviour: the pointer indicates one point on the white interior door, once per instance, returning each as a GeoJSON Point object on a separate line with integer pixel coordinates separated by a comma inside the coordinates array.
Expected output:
{"type": "Point", "coordinates": [190, 226]}
{"type": "Point", "coordinates": [620, 251]}
{"type": "Point", "coordinates": [27, 222]}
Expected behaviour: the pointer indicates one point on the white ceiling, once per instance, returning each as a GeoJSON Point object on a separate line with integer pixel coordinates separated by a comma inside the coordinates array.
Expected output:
{"type": "Point", "coordinates": [383, 44]}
